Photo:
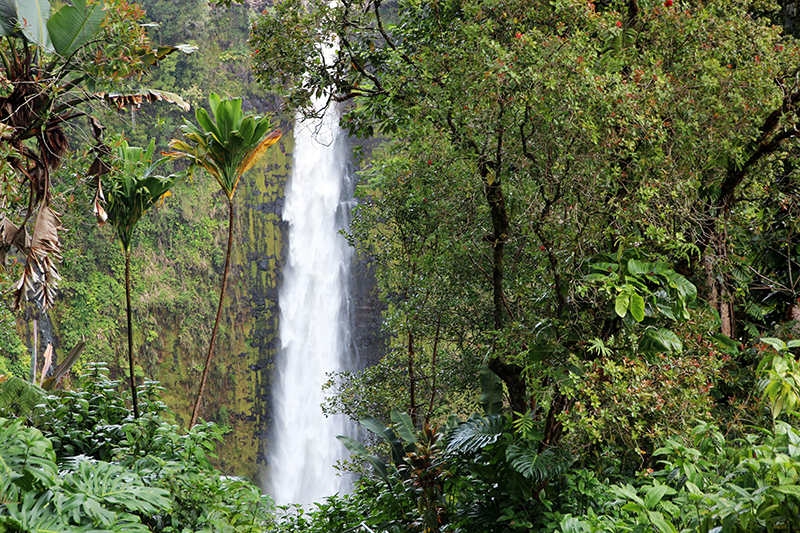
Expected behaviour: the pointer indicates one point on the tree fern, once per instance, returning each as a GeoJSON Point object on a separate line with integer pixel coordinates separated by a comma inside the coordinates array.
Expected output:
{"type": "Point", "coordinates": [476, 433]}
{"type": "Point", "coordinates": [536, 466]}
{"type": "Point", "coordinates": [18, 397]}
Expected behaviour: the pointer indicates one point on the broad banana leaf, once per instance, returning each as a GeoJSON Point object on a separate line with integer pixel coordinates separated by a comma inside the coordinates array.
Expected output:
{"type": "Point", "coordinates": [32, 16]}
{"type": "Point", "coordinates": [8, 13]}
{"type": "Point", "coordinates": [73, 26]}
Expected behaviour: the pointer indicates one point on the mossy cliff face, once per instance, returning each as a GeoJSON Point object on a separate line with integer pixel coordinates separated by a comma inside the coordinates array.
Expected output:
{"type": "Point", "coordinates": [177, 261]}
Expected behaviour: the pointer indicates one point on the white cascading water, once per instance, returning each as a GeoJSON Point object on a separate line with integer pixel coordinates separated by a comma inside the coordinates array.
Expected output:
{"type": "Point", "coordinates": [314, 324]}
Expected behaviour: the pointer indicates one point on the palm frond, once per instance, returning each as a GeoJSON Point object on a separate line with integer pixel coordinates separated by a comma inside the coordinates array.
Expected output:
{"type": "Point", "coordinates": [476, 433]}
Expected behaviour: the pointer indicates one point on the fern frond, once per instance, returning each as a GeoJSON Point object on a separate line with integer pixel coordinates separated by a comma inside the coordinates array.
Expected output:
{"type": "Point", "coordinates": [536, 466]}
{"type": "Point", "coordinates": [752, 330]}
{"type": "Point", "coordinates": [475, 433]}
{"type": "Point", "coordinates": [757, 311]}
{"type": "Point", "coordinates": [18, 397]}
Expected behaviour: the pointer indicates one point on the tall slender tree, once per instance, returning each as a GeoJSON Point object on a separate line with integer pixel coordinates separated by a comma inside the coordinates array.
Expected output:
{"type": "Point", "coordinates": [130, 193]}
{"type": "Point", "coordinates": [225, 147]}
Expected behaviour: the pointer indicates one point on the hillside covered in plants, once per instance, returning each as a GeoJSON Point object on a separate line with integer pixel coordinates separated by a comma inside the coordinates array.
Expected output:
{"type": "Point", "coordinates": [178, 249]}
{"type": "Point", "coordinates": [582, 218]}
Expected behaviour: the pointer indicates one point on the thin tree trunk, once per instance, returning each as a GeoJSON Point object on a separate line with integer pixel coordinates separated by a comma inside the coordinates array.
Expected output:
{"type": "Point", "coordinates": [35, 352]}
{"type": "Point", "coordinates": [412, 389]}
{"type": "Point", "coordinates": [130, 332]}
{"type": "Point", "coordinates": [204, 379]}
{"type": "Point", "coordinates": [433, 371]}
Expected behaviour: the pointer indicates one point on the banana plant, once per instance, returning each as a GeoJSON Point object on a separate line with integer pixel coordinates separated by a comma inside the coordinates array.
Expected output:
{"type": "Point", "coordinates": [130, 192]}
{"type": "Point", "coordinates": [54, 62]}
{"type": "Point", "coordinates": [225, 147]}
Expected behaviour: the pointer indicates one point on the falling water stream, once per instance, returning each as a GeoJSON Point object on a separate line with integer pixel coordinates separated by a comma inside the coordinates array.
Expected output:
{"type": "Point", "coordinates": [314, 325]}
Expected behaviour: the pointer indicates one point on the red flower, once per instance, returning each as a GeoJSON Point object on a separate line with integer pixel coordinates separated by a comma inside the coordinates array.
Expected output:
{"type": "Point", "coordinates": [542, 248]}
{"type": "Point", "coordinates": [518, 35]}
{"type": "Point", "coordinates": [619, 24]}
{"type": "Point", "coordinates": [430, 162]}
{"type": "Point", "coordinates": [668, 3]}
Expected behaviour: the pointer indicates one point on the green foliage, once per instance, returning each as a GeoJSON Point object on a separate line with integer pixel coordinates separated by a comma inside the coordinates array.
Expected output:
{"type": "Point", "coordinates": [227, 146]}
{"type": "Point", "coordinates": [134, 188]}
{"type": "Point", "coordinates": [526, 141]}
{"type": "Point", "coordinates": [781, 376]}
{"type": "Point", "coordinates": [627, 407]}
{"type": "Point", "coordinates": [115, 473]}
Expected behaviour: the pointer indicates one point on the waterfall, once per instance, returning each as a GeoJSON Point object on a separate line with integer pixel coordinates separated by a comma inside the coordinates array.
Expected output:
{"type": "Point", "coordinates": [314, 325]}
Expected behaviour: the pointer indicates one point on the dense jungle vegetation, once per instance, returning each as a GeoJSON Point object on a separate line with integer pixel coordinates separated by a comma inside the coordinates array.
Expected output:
{"type": "Point", "coordinates": [584, 222]}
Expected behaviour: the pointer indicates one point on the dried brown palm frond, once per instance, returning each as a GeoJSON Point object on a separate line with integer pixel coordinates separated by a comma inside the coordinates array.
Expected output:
{"type": "Point", "coordinates": [11, 235]}
{"type": "Point", "coordinates": [40, 275]}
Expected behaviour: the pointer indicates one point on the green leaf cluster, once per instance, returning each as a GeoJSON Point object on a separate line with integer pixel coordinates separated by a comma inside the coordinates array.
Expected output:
{"type": "Point", "coordinates": [80, 462]}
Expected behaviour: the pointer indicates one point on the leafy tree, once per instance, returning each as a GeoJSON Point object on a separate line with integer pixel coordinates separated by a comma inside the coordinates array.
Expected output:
{"type": "Point", "coordinates": [546, 140]}
{"type": "Point", "coordinates": [226, 148]}
{"type": "Point", "coordinates": [57, 63]}
{"type": "Point", "coordinates": [131, 191]}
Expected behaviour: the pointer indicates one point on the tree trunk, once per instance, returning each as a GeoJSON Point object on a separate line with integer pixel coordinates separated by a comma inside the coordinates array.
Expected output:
{"type": "Point", "coordinates": [204, 379]}
{"type": "Point", "coordinates": [412, 386]}
{"type": "Point", "coordinates": [510, 374]}
{"type": "Point", "coordinates": [130, 332]}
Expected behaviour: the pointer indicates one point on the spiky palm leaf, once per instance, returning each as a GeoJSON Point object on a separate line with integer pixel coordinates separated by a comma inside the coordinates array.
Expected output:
{"type": "Point", "coordinates": [136, 188]}
{"type": "Point", "coordinates": [229, 147]}
{"type": "Point", "coordinates": [476, 433]}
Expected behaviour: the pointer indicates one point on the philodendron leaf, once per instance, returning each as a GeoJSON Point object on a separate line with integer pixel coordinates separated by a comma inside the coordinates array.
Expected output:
{"type": "Point", "coordinates": [637, 307]}
{"type": "Point", "coordinates": [660, 340]}
{"type": "Point", "coordinates": [639, 267]}
{"type": "Point", "coordinates": [622, 304]}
